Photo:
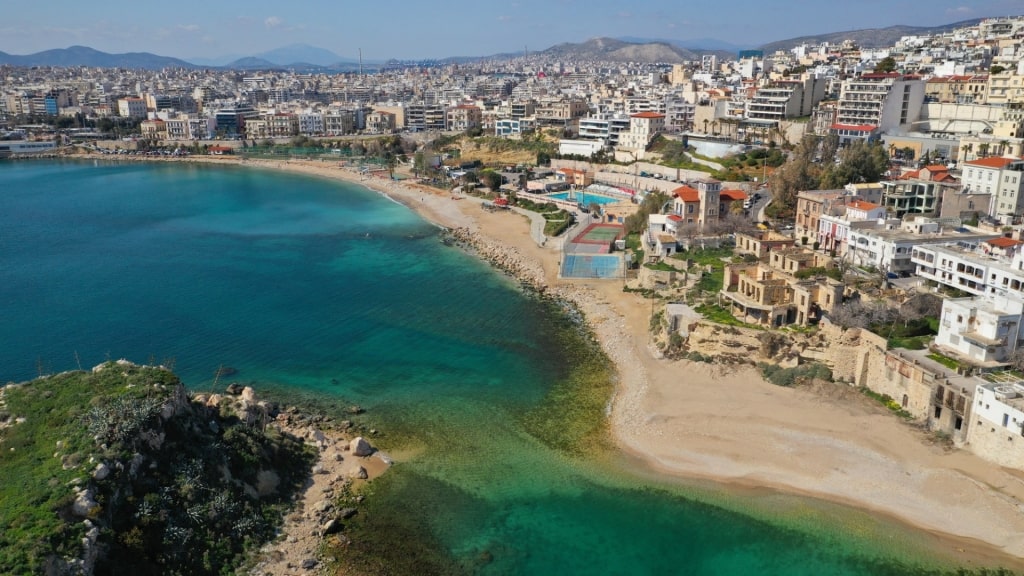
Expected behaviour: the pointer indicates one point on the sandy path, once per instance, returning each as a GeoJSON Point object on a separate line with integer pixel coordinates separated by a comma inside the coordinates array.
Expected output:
{"type": "Point", "coordinates": [698, 421]}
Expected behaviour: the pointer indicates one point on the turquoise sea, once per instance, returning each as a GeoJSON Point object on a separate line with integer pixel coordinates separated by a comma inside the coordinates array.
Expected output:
{"type": "Point", "coordinates": [324, 289]}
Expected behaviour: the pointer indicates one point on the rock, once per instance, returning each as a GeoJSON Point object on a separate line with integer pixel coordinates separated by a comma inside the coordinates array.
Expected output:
{"type": "Point", "coordinates": [355, 409]}
{"type": "Point", "coordinates": [317, 437]}
{"type": "Point", "coordinates": [213, 401]}
{"type": "Point", "coordinates": [338, 457]}
{"type": "Point", "coordinates": [319, 469]}
{"type": "Point", "coordinates": [345, 424]}
{"type": "Point", "coordinates": [84, 504]}
{"type": "Point", "coordinates": [267, 482]}
{"type": "Point", "coordinates": [322, 506]}
{"type": "Point", "coordinates": [101, 472]}
{"type": "Point", "coordinates": [226, 372]}
{"type": "Point", "coordinates": [331, 526]}
{"type": "Point", "coordinates": [385, 458]}
{"type": "Point", "coordinates": [309, 564]}
{"type": "Point", "coordinates": [346, 513]}
{"type": "Point", "coordinates": [234, 389]}
{"type": "Point", "coordinates": [360, 447]}
{"type": "Point", "coordinates": [248, 394]}
{"type": "Point", "coordinates": [362, 474]}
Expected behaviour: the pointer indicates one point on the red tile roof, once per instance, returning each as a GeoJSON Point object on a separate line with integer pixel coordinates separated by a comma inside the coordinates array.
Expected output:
{"type": "Point", "coordinates": [675, 218]}
{"type": "Point", "coordinates": [687, 194]}
{"type": "Point", "coordinates": [854, 127]}
{"type": "Point", "coordinates": [732, 195]}
{"type": "Point", "coordinates": [863, 205]}
{"type": "Point", "coordinates": [647, 115]}
{"type": "Point", "coordinates": [1003, 242]}
{"type": "Point", "coordinates": [992, 162]}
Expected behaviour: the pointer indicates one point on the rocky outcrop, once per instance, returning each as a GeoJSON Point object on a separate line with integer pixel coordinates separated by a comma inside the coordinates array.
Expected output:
{"type": "Point", "coordinates": [508, 260]}
{"type": "Point", "coordinates": [360, 447]}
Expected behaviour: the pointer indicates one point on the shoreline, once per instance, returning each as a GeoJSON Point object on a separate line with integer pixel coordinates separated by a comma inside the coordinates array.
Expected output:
{"type": "Point", "coordinates": [690, 421]}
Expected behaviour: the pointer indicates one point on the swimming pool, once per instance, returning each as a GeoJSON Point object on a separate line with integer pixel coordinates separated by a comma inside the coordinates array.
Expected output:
{"type": "Point", "coordinates": [586, 198]}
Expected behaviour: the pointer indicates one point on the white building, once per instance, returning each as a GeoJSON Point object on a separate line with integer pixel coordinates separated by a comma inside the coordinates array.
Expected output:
{"type": "Point", "coordinates": [996, 432]}
{"type": "Point", "coordinates": [985, 331]}
{"type": "Point", "coordinates": [643, 127]}
{"type": "Point", "coordinates": [131, 107]}
{"type": "Point", "coordinates": [834, 228]}
{"type": "Point", "coordinates": [1003, 178]}
{"type": "Point", "coordinates": [977, 268]}
{"type": "Point", "coordinates": [311, 123]}
{"type": "Point", "coordinates": [882, 101]}
{"type": "Point", "coordinates": [890, 250]}
{"type": "Point", "coordinates": [579, 147]}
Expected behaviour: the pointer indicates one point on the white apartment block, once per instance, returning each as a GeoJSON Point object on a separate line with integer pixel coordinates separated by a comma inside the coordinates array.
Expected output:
{"type": "Point", "coordinates": [984, 331]}
{"type": "Point", "coordinates": [311, 123]}
{"type": "Point", "coordinates": [1003, 178]}
{"type": "Point", "coordinates": [891, 250]}
{"type": "Point", "coordinates": [885, 101]}
{"type": "Point", "coordinates": [988, 268]}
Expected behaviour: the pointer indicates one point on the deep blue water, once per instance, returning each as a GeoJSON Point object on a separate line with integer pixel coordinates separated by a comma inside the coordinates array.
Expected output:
{"type": "Point", "coordinates": [329, 289]}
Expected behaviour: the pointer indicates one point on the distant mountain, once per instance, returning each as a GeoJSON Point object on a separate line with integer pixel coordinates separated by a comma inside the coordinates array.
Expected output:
{"type": "Point", "coordinates": [84, 56]}
{"type": "Point", "coordinates": [289, 55]}
{"type": "Point", "coordinates": [252, 63]}
{"type": "Point", "coordinates": [868, 37]}
{"type": "Point", "coordinates": [698, 45]}
{"type": "Point", "coordinates": [612, 50]}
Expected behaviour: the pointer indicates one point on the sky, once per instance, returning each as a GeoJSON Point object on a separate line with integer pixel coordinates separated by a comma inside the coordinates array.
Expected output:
{"type": "Point", "coordinates": [415, 29]}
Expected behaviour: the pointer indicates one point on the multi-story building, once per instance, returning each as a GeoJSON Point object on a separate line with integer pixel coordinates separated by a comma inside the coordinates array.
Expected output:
{"type": "Point", "coordinates": [785, 99]}
{"type": "Point", "coordinates": [283, 125]}
{"type": "Point", "coordinates": [761, 243]}
{"type": "Point", "coordinates": [996, 432]}
{"type": "Point", "coordinates": [131, 107]}
{"type": "Point", "coordinates": [311, 123]}
{"type": "Point", "coordinates": [891, 250]}
{"type": "Point", "coordinates": [919, 191]}
{"type": "Point", "coordinates": [986, 268]}
{"type": "Point", "coordinates": [1001, 177]}
{"type": "Point", "coordinates": [339, 122]}
{"type": "Point", "coordinates": [604, 129]}
{"type": "Point", "coordinates": [230, 120]}
{"type": "Point", "coordinates": [983, 331]}
{"type": "Point", "coordinates": [703, 203]}
{"type": "Point", "coordinates": [810, 205]}
{"type": "Point", "coordinates": [643, 127]}
{"type": "Point", "coordinates": [881, 101]}
{"type": "Point", "coordinates": [962, 89]}
{"type": "Point", "coordinates": [380, 122]}
{"type": "Point", "coordinates": [463, 117]}
{"type": "Point", "coordinates": [834, 226]}
{"type": "Point", "coordinates": [770, 294]}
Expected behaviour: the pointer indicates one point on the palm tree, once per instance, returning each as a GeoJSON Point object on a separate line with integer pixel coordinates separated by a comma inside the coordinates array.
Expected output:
{"type": "Point", "coordinates": [967, 148]}
{"type": "Point", "coordinates": [1004, 146]}
{"type": "Point", "coordinates": [983, 149]}
{"type": "Point", "coordinates": [705, 125]}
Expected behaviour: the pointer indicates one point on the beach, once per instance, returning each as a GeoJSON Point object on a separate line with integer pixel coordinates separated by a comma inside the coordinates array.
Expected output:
{"type": "Point", "coordinates": [726, 424]}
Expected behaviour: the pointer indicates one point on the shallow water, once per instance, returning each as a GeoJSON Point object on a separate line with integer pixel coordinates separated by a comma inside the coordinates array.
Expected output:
{"type": "Point", "coordinates": [327, 289]}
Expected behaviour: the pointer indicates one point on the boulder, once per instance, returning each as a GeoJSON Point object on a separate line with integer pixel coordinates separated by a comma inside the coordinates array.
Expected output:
{"type": "Point", "coordinates": [248, 394]}
{"type": "Point", "coordinates": [309, 564]}
{"type": "Point", "coordinates": [331, 526]}
{"type": "Point", "coordinates": [346, 513]}
{"type": "Point", "coordinates": [84, 504]}
{"type": "Point", "coordinates": [101, 472]}
{"type": "Point", "coordinates": [234, 389]}
{"type": "Point", "coordinates": [362, 474]}
{"type": "Point", "coordinates": [360, 447]}
{"type": "Point", "coordinates": [322, 506]}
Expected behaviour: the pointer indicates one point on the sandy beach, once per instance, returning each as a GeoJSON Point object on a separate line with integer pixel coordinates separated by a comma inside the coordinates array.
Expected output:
{"type": "Point", "coordinates": [726, 424]}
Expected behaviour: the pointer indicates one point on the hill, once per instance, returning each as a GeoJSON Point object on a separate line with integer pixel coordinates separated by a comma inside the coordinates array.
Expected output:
{"type": "Point", "coordinates": [85, 56]}
{"type": "Point", "coordinates": [118, 470]}
{"type": "Point", "coordinates": [868, 37]}
{"type": "Point", "coordinates": [302, 53]}
{"type": "Point", "coordinates": [612, 50]}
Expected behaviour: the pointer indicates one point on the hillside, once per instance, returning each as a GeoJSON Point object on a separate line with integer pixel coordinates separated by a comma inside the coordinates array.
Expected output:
{"type": "Point", "coordinates": [612, 50]}
{"type": "Point", "coordinates": [118, 470]}
{"type": "Point", "coordinates": [85, 56]}
{"type": "Point", "coordinates": [868, 37]}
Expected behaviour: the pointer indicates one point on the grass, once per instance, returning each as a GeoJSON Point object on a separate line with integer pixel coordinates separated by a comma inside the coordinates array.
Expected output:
{"type": "Point", "coordinates": [661, 267]}
{"type": "Point", "coordinates": [887, 401]}
{"type": "Point", "coordinates": [718, 315]}
{"type": "Point", "coordinates": [796, 375]}
{"type": "Point", "coordinates": [945, 360]}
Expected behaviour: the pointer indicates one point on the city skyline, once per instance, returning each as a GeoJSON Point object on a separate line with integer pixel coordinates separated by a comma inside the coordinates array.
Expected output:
{"type": "Point", "coordinates": [195, 30]}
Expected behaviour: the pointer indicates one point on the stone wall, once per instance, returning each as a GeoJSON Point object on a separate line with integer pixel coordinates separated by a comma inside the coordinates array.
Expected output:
{"type": "Point", "coordinates": [994, 443]}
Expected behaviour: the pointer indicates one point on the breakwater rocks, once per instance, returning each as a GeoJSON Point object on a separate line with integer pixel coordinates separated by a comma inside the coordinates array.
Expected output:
{"type": "Point", "coordinates": [504, 258]}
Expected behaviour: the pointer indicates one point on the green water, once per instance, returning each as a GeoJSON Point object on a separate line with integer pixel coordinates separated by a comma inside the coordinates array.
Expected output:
{"type": "Point", "coordinates": [492, 399]}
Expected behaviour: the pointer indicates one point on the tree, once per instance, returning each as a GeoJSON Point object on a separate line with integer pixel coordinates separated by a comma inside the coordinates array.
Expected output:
{"type": "Point", "coordinates": [859, 162]}
{"type": "Point", "coordinates": [491, 179]}
{"type": "Point", "coordinates": [637, 222]}
{"type": "Point", "coordinates": [887, 64]}
{"type": "Point", "coordinates": [997, 69]}
{"type": "Point", "coordinates": [543, 159]}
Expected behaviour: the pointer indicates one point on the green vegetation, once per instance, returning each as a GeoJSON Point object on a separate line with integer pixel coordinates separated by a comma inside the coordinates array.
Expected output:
{"type": "Point", "coordinates": [887, 401]}
{"type": "Point", "coordinates": [190, 490]}
{"type": "Point", "coordinates": [637, 222]}
{"type": "Point", "coordinates": [719, 315]}
{"type": "Point", "coordinates": [945, 360]}
{"type": "Point", "coordinates": [660, 266]}
{"type": "Point", "coordinates": [795, 375]}
{"type": "Point", "coordinates": [556, 223]}
{"type": "Point", "coordinates": [834, 273]}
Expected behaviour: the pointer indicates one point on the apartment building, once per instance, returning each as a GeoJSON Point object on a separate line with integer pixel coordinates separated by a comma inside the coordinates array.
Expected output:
{"type": "Point", "coordinates": [986, 268]}
{"type": "Point", "coordinates": [881, 101]}
{"type": "Point", "coordinates": [643, 127]}
{"type": "Point", "coordinates": [339, 122]}
{"type": "Point", "coordinates": [784, 99]}
{"type": "Point", "coordinates": [761, 243]}
{"type": "Point", "coordinates": [810, 205]}
{"type": "Point", "coordinates": [131, 107]}
{"type": "Point", "coordinates": [605, 129]}
{"type": "Point", "coordinates": [919, 191]}
{"type": "Point", "coordinates": [960, 89]}
{"type": "Point", "coordinates": [834, 227]}
{"type": "Point", "coordinates": [1001, 177]}
{"type": "Point", "coordinates": [380, 122]}
{"type": "Point", "coordinates": [981, 331]}
{"type": "Point", "coordinates": [891, 250]}
{"type": "Point", "coordinates": [463, 117]}
{"type": "Point", "coordinates": [996, 432]}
